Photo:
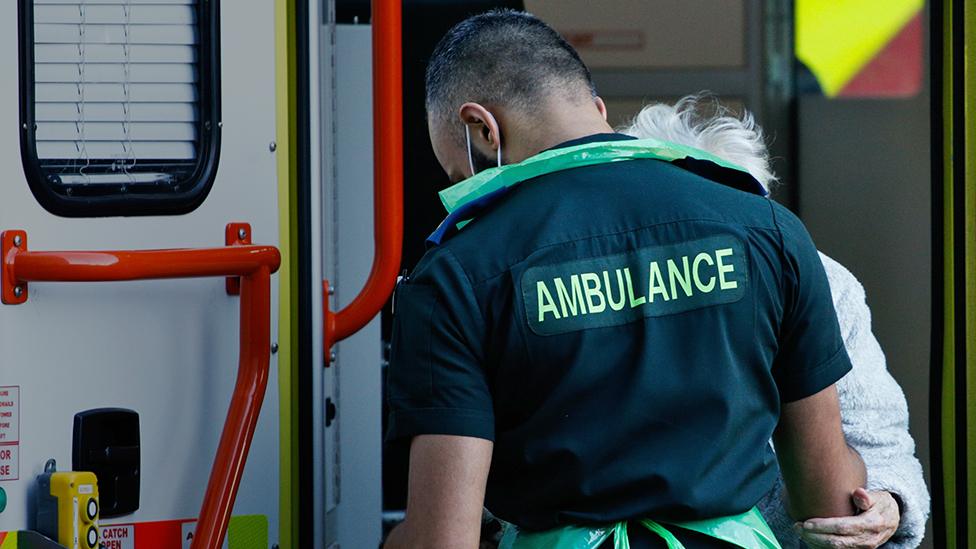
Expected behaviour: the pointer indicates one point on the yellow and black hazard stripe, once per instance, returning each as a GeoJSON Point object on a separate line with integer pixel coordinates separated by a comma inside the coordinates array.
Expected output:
{"type": "Point", "coordinates": [953, 387]}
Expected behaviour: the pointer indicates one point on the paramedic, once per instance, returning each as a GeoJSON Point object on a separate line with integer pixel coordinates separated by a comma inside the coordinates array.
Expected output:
{"type": "Point", "coordinates": [606, 332]}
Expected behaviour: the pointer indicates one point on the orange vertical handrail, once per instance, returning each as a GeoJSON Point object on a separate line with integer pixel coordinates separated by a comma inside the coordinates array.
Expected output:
{"type": "Point", "coordinates": [254, 264]}
{"type": "Point", "coordinates": [387, 179]}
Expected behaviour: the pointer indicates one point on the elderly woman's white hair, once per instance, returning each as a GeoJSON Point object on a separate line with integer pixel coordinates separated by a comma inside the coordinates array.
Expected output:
{"type": "Point", "coordinates": [737, 140]}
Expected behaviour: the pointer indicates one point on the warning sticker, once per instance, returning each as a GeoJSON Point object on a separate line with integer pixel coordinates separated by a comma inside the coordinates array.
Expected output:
{"type": "Point", "coordinates": [9, 432]}
{"type": "Point", "coordinates": [9, 460]}
{"type": "Point", "coordinates": [9, 414]}
{"type": "Point", "coordinates": [187, 534]}
{"type": "Point", "coordinates": [119, 536]}
{"type": "Point", "coordinates": [243, 532]}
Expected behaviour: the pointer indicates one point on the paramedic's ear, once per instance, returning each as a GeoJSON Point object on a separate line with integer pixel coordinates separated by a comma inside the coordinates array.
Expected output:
{"type": "Point", "coordinates": [601, 106]}
{"type": "Point", "coordinates": [483, 126]}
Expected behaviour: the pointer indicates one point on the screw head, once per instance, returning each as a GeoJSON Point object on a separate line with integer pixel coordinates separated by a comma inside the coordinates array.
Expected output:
{"type": "Point", "coordinates": [272, 146]}
{"type": "Point", "coordinates": [332, 356]}
{"type": "Point", "coordinates": [274, 348]}
{"type": "Point", "coordinates": [242, 233]}
{"type": "Point", "coordinates": [18, 291]}
{"type": "Point", "coordinates": [18, 241]}
{"type": "Point", "coordinates": [331, 289]}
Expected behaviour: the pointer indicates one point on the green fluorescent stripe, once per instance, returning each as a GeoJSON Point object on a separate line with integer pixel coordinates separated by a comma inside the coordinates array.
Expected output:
{"type": "Point", "coordinates": [969, 158]}
{"type": "Point", "coordinates": [948, 404]}
{"type": "Point", "coordinates": [286, 116]}
{"type": "Point", "coordinates": [949, 356]}
{"type": "Point", "coordinates": [248, 532]}
{"type": "Point", "coordinates": [949, 360]}
{"type": "Point", "coordinates": [588, 154]}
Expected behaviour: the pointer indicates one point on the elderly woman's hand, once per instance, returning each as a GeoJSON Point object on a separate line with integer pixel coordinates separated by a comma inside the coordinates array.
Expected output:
{"type": "Point", "coordinates": [875, 525]}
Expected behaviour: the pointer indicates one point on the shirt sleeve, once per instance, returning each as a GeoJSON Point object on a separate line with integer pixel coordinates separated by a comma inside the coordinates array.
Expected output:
{"type": "Point", "coordinates": [811, 354]}
{"type": "Point", "coordinates": [436, 378]}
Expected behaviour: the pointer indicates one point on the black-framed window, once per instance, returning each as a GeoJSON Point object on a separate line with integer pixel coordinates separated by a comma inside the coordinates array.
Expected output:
{"type": "Point", "coordinates": [120, 104]}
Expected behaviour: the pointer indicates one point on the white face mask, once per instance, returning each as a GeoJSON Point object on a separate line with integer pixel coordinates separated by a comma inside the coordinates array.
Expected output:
{"type": "Point", "coordinates": [467, 133]}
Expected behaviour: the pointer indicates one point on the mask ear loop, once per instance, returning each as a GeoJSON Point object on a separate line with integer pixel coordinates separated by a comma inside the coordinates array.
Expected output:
{"type": "Point", "coordinates": [499, 136]}
{"type": "Point", "coordinates": [467, 135]}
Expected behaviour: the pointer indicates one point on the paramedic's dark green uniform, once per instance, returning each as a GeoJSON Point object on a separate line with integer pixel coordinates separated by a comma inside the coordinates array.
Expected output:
{"type": "Point", "coordinates": [625, 334]}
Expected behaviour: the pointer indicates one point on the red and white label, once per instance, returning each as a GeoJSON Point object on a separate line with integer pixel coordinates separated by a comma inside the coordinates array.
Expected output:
{"type": "Point", "coordinates": [187, 528]}
{"type": "Point", "coordinates": [9, 414]}
{"type": "Point", "coordinates": [9, 461]}
{"type": "Point", "coordinates": [119, 536]}
{"type": "Point", "coordinates": [9, 432]}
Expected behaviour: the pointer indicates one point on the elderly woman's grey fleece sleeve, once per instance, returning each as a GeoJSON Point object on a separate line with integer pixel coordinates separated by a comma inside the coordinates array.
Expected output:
{"type": "Point", "coordinates": [874, 414]}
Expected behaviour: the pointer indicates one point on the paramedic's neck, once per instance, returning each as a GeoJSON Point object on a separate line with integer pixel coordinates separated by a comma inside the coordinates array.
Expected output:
{"type": "Point", "coordinates": [560, 121]}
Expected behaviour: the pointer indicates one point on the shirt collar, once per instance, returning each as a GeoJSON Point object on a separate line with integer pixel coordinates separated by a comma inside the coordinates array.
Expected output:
{"type": "Point", "coordinates": [469, 198]}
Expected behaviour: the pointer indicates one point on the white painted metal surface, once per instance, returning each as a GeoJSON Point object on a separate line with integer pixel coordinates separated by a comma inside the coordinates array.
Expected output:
{"type": "Point", "coordinates": [167, 349]}
{"type": "Point", "coordinates": [320, 49]}
{"type": "Point", "coordinates": [353, 442]}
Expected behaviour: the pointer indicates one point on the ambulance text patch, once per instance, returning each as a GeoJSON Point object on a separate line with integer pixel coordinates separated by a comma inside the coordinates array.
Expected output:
{"type": "Point", "coordinates": [622, 288]}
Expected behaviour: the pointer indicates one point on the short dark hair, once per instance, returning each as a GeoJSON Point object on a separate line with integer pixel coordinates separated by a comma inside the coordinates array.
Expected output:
{"type": "Point", "coordinates": [501, 57]}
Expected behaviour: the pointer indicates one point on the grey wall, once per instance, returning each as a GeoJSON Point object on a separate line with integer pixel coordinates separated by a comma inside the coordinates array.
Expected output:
{"type": "Point", "coordinates": [865, 195]}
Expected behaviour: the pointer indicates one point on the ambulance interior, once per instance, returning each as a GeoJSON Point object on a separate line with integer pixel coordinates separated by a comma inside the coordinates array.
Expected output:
{"type": "Point", "coordinates": [295, 99]}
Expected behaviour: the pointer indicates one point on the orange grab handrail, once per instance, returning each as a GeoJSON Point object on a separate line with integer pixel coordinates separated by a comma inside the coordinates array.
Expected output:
{"type": "Point", "coordinates": [387, 179]}
{"type": "Point", "coordinates": [255, 265]}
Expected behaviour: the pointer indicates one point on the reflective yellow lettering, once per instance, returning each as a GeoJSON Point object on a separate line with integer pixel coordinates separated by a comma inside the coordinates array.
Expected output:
{"type": "Point", "coordinates": [591, 287]}
{"type": "Point", "coordinates": [656, 285]}
{"type": "Point", "coordinates": [675, 275]}
{"type": "Point", "coordinates": [630, 291]}
{"type": "Point", "coordinates": [702, 258]}
{"type": "Point", "coordinates": [615, 305]}
{"type": "Point", "coordinates": [723, 268]}
{"type": "Point", "coordinates": [546, 303]}
{"type": "Point", "coordinates": [572, 305]}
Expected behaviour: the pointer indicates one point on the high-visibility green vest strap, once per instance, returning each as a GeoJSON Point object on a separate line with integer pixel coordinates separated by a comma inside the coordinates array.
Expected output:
{"type": "Point", "coordinates": [567, 537]}
{"type": "Point", "coordinates": [747, 531]}
{"type": "Point", "coordinates": [465, 199]}
{"type": "Point", "coordinates": [669, 538]}
{"type": "Point", "coordinates": [578, 156]}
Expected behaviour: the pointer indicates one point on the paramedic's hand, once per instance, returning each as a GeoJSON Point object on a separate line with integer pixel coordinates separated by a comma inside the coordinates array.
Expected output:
{"type": "Point", "coordinates": [878, 519]}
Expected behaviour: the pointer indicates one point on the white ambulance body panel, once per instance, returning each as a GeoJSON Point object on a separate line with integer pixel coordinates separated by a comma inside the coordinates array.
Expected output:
{"type": "Point", "coordinates": [167, 349]}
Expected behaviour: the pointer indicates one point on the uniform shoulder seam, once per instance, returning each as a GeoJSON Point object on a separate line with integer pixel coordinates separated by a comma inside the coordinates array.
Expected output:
{"type": "Point", "coordinates": [782, 247]}
{"type": "Point", "coordinates": [779, 230]}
